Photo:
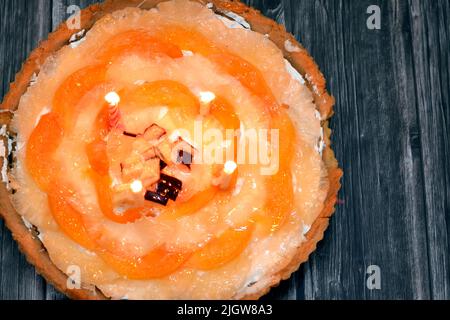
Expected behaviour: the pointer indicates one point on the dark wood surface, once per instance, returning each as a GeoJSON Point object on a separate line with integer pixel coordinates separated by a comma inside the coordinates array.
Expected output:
{"type": "Point", "coordinates": [391, 137]}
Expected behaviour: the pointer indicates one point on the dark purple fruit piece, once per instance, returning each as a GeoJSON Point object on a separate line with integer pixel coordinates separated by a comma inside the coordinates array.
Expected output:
{"type": "Point", "coordinates": [129, 134]}
{"type": "Point", "coordinates": [155, 197]}
{"type": "Point", "coordinates": [170, 181]}
{"type": "Point", "coordinates": [167, 191]}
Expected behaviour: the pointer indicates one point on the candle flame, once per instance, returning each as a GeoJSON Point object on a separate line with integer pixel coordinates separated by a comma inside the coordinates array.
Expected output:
{"type": "Point", "coordinates": [229, 167]}
{"type": "Point", "coordinates": [136, 186]}
{"type": "Point", "coordinates": [112, 98]}
{"type": "Point", "coordinates": [207, 96]}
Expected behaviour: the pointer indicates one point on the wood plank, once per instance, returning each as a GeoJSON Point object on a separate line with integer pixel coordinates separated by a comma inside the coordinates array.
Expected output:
{"type": "Point", "coordinates": [430, 23]}
{"type": "Point", "coordinates": [382, 221]}
{"type": "Point", "coordinates": [22, 25]}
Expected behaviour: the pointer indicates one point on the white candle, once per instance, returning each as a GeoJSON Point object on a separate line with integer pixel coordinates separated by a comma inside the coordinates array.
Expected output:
{"type": "Point", "coordinates": [206, 97]}
{"type": "Point", "coordinates": [224, 180]}
{"type": "Point", "coordinates": [112, 98]}
{"type": "Point", "coordinates": [136, 186]}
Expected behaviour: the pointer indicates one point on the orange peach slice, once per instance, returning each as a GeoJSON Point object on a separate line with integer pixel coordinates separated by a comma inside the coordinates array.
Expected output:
{"type": "Point", "coordinates": [221, 250]}
{"type": "Point", "coordinates": [96, 152]}
{"type": "Point", "coordinates": [156, 264]}
{"type": "Point", "coordinates": [223, 111]}
{"type": "Point", "coordinates": [138, 42]}
{"type": "Point", "coordinates": [280, 200]}
{"type": "Point", "coordinates": [181, 209]}
{"type": "Point", "coordinates": [70, 221]}
{"type": "Point", "coordinates": [73, 89]}
{"type": "Point", "coordinates": [104, 196]}
{"type": "Point", "coordinates": [247, 74]}
{"type": "Point", "coordinates": [167, 93]}
{"type": "Point", "coordinates": [188, 39]}
{"type": "Point", "coordinates": [41, 146]}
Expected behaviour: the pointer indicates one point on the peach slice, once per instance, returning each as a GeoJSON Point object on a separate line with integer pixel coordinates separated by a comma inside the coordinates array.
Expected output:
{"type": "Point", "coordinates": [41, 146]}
{"type": "Point", "coordinates": [138, 42]}
{"type": "Point", "coordinates": [71, 91]}
{"type": "Point", "coordinates": [188, 39]}
{"type": "Point", "coordinates": [103, 188]}
{"type": "Point", "coordinates": [102, 124]}
{"type": "Point", "coordinates": [280, 200]}
{"type": "Point", "coordinates": [181, 209]}
{"type": "Point", "coordinates": [247, 74]}
{"type": "Point", "coordinates": [221, 250]}
{"type": "Point", "coordinates": [96, 152]}
{"type": "Point", "coordinates": [70, 221]}
{"type": "Point", "coordinates": [223, 111]}
{"type": "Point", "coordinates": [160, 93]}
{"type": "Point", "coordinates": [157, 263]}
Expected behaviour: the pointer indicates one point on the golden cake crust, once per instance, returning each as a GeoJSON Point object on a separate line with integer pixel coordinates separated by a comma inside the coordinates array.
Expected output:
{"type": "Point", "coordinates": [27, 239]}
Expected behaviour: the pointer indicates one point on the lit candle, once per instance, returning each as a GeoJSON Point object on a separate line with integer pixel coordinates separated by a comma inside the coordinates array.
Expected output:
{"type": "Point", "coordinates": [206, 97]}
{"type": "Point", "coordinates": [113, 99]}
{"type": "Point", "coordinates": [224, 180]}
{"type": "Point", "coordinates": [136, 186]}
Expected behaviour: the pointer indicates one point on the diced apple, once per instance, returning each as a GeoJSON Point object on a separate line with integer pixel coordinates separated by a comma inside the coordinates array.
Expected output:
{"type": "Point", "coordinates": [164, 150]}
{"type": "Point", "coordinates": [150, 174]}
{"type": "Point", "coordinates": [153, 133]}
{"type": "Point", "coordinates": [132, 168]}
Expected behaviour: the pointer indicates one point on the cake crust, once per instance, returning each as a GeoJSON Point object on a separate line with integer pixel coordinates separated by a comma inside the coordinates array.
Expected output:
{"type": "Point", "coordinates": [27, 239]}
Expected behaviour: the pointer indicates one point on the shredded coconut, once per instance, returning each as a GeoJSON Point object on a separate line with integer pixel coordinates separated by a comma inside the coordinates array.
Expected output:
{"type": "Point", "coordinates": [318, 115]}
{"type": "Point", "coordinates": [139, 82]}
{"type": "Point", "coordinates": [306, 229]}
{"type": "Point", "coordinates": [234, 21]}
{"type": "Point", "coordinates": [33, 79]}
{"type": "Point", "coordinates": [321, 144]}
{"type": "Point", "coordinates": [43, 112]}
{"type": "Point", "coordinates": [290, 47]}
{"type": "Point", "coordinates": [77, 38]}
{"type": "Point", "coordinates": [5, 163]}
{"type": "Point", "coordinates": [187, 53]}
{"type": "Point", "coordinates": [314, 87]}
{"type": "Point", "coordinates": [27, 223]}
{"type": "Point", "coordinates": [4, 153]}
{"type": "Point", "coordinates": [293, 72]}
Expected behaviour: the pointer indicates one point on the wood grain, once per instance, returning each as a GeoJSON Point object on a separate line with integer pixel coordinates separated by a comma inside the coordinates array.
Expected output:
{"type": "Point", "coordinates": [391, 137]}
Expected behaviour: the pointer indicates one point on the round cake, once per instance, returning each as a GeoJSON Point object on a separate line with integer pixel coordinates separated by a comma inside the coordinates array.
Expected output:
{"type": "Point", "coordinates": [168, 150]}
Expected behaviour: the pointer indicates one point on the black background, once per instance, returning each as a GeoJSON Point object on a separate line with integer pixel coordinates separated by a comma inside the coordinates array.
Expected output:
{"type": "Point", "coordinates": [391, 137]}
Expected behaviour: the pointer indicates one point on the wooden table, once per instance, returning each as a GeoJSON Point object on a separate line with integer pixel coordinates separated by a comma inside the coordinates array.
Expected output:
{"type": "Point", "coordinates": [391, 137]}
